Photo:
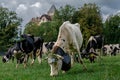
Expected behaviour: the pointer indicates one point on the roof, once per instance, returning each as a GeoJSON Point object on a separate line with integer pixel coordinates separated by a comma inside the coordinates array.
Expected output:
{"type": "Point", "coordinates": [46, 16]}
{"type": "Point", "coordinates": [52, 9]}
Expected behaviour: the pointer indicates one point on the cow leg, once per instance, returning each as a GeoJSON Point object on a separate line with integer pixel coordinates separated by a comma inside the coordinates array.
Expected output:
{"type": "Point", "coordinates": [17, 64]}
{"type": "Point", "coordinates": [12, 58]}
{"type": "Point", "coordinates": [81, 61]}
{"type": "Point", "coordinates": [40, 56]}
{"type": "Point", "coordinates": [72, 59]}
{"type": "Point", "coordinates": [100, 55]}
{"type": "Point", "coordinates": [39, 60]}
{"type": "Point", "coordinates": [25, 60]}
{"type": "Point", "coordinates": [34, 56]}
{"type": "Point", "coordinates": [79, 57]}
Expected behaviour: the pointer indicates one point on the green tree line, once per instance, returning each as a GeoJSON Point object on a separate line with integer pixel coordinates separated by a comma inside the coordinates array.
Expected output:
{"type": "Point", "coordinates": [8, 27]}
{"type": "Point", "coordinates": [90, 19]}
{"type": "Point", "coordinates": [88, 16]}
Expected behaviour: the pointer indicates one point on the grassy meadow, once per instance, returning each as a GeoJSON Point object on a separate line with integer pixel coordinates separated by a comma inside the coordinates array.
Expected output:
{"type": "Point", "coordinates": [108, 68]}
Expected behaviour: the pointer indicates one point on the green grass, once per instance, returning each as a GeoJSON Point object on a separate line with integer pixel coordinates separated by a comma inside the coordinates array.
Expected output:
{"type": "Point", "coordinates": [108, 68]}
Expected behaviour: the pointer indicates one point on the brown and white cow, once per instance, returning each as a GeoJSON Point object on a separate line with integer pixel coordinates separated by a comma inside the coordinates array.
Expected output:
{"type": "Point", "coordinates": [69, 40]}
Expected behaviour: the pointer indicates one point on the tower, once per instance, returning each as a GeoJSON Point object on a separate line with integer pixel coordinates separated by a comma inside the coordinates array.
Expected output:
{"type": "Point", "coordinates": [51, 11]}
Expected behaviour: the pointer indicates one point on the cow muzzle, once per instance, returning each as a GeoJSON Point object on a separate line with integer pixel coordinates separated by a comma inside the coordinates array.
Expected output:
{"type": "Point", "coordinates": [15, 51]}
{"type": "Point", "coordinates": [4, 59]}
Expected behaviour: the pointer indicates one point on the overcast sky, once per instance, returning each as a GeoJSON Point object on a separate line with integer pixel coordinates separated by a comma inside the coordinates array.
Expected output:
{"type": "Point", "coordinates": [27, 9]}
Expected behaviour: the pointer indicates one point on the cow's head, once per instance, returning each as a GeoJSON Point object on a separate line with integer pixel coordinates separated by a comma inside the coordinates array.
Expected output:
{"type": "Point", "coordinates": [49, 45]}
{"type": "Point", "coordinates": [19, 55]}
{"type": "Point", "coordinates": [5, 59]}
{"type": "Point", "coordinates": [55, 62]}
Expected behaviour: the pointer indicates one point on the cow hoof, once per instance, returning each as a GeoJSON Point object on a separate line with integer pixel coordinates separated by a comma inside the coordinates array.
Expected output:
{"type": "Point", "coordinates": [16, 66]}
{"type": "Point", "coordinates": [51, 75]}
{"type": "Point", "coordinates": [63, 72]}
{"type": "Point", "coordinates": [25, 65]}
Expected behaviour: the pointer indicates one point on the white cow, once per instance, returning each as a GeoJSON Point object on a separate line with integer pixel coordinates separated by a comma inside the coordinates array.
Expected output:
{"type": "Point", "coordinates": [70, 40]}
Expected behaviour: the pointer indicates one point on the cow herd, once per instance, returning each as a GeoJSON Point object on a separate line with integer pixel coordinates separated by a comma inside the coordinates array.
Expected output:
{"type": "Point", "coordinates": [60, 54]}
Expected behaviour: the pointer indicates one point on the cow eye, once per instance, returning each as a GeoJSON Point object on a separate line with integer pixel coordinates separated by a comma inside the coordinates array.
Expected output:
{"type": "Point", "coordinates": [63, 40]}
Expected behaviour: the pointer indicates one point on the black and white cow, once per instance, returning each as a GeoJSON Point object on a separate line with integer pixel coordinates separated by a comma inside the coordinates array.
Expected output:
{"type": "Point", "coordinates": [25, 46]}
{"type": "Point", "coordinates": [107, 49]}
{"type": "Point", "coordinates": [59, 61]}
{"type": "Point", "coordinates": [111, 49]}
{"type": "Point", "coordinates": [115, 49]}
{"type": "Point", "coordinates": [47, 46]}
{"type": "Point", "coordinates": [10, 55]}
{"type": "Point", "coordinates": [94, 43]}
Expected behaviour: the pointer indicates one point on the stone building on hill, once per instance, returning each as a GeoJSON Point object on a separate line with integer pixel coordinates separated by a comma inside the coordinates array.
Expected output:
{"type": "Point", "coordinates": [45, 17]}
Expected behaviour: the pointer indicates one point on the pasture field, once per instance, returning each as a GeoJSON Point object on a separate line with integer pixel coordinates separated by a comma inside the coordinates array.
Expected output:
{"type": "Point", "coordinates": [108, 68]}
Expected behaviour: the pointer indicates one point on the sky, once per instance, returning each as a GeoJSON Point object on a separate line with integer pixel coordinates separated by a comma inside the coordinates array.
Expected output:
{"type": "Point", "coordinates": [27, 9]}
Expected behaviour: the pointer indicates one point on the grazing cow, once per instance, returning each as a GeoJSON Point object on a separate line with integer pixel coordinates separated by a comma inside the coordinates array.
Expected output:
{"type": "Point", "coordinates": [27, 45]}
{"type": "Point", "coordinates": [94, 42]}
{"type": "Point", "coordinates": [59, 61]}
{"type": "Point", "coordinates": [107, 49]}
{"type": "Point", "coordinates": [115, 49]}
{"type": "Point", "coordinates": [10, 54]}
{"type": "Point", "coordinates": [69, 40]}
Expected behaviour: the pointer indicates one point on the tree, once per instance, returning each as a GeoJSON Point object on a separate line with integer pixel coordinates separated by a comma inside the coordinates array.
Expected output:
{"type": "Point", "coordinates": [90, 20]}
{"type": "Point", "coordinates": [8, 27]}
{"type": "Point", "coordinates": [64, 14]}
{"type": "Point", "coordinates": [47, 30]}
{"type": "Point", "coordinates": [112, 29]}
{"type": "Point", "coordinates": [31, 28]}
